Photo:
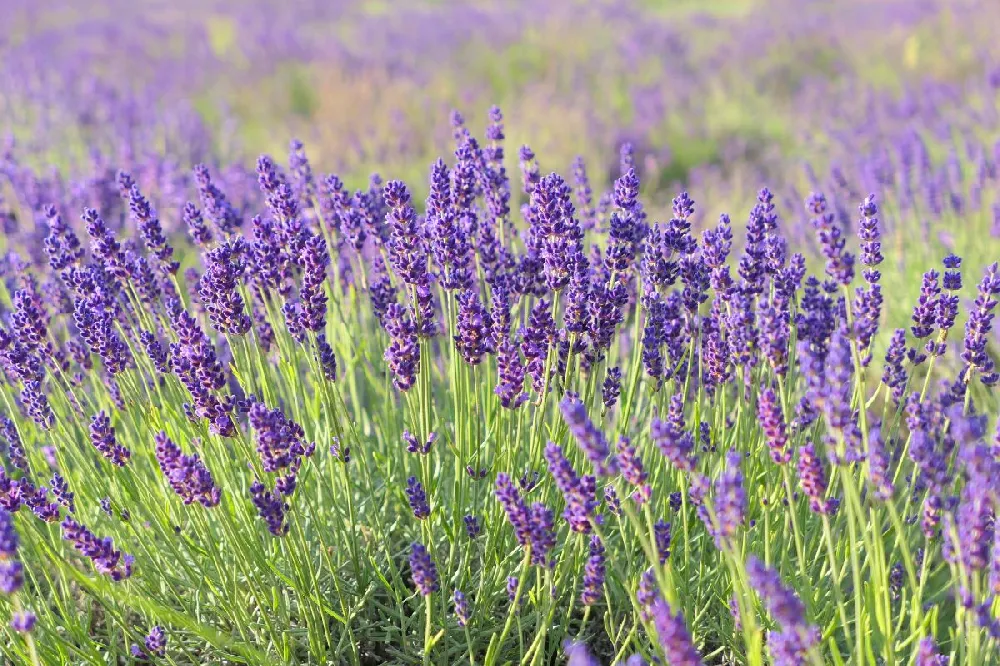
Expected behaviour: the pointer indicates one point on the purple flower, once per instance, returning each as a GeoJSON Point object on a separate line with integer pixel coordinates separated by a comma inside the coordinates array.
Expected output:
{"type": "Point", "coordinates": [11, 570]}
{"type": "Point", "coordinates": [578, 493]}
{"type": "Point", "coordinates": [271, 507]}
{"type": "Point", "coordinates": [530, 174]}
{"type": "Point", "coordinates": [217, 208]}
{"type": "Point", "coordinates": [413, 445]}
{"type": "Point", "coordinates": [62, 493]}
{"type": "Point", "coordinates": [510, 375]}
{"type": "Point", "coordinates": [151, 230]}
{"type": "Point", "coordinates": [893, 373]}
{"type": "Point", "coordinates": [418, 498]}
{"type": "Point", "coordinates": [461, 608]}
{"type": "Point", "coordinates": [870, 236]}
{"type": "Point", "coordinates": [591, 440]}
{"type": "Point", "coordinates": [555, 230]}
{"type": "Point", "coordinates": [543, 535]}
{"type": "Point", "coordinates": [630, 465]}
{"type": "Point", "coordinates": [839, 264]}
{"type": "Point", "coordinates": [879, 471]}
{"type": "Point", "coordinates": [753, 262]}
{"type": "Point", "coordinates": [101, 552]}
{"type": "Point", "coordinates": [23, 621]}
{"type": "Point", "coordinates": [102, 436]}
{"type": "Point", "coordinates": [512, 584]}
{"type": "Point", "coordinates": [195, 223]}
{"type": "Point", "coordinates": [156, 352]}
{"type": "Point", "coordinates": [314, 259]}
{"type": "Point", "coordinates": [218, 291]}
{"type": "Point", "coordinates": [612, 387]}
{"type": "Point", "coordinates": [425, 575]}
{"type": "Point", "coordinates": [977, 330]}
{"type": "Point", "coordinates": [61, 244]}
{"type": "Point", "coordinates": [730, 500]}
{"type": "Point", "coordinates": [772, 421]}
{"type": "Point", "coordinates": [403, 353]}
{"type": "Point", "coordinates": [280, 441]}
{"type": "Point", "coordinates": [674, 636]}
{"type": "Point", "coordinates": [155, 644]}
{"type": "Point", "coordinates": [813, 479]}
{"type": "Point", "coordinates": [472, 527]}
{"type": "Point", "coordinates": [516, 509]}
{"type": "Point", "coordinates": [662, 534]}
{"type": "Point", "coordinates": [472, 335]}
{"type": "Point", "coordinates": [36, 404]}
{"type": "Point", "coordinates": [187, 475]}
{"type": "Point", "coordinates": [449, 241]}
{"type": "Point", "coordinates": [925, 311]}
{"type": "Point", "coordinates": [103, 244]}
{"type": "Point", "coordinates": [577, 654]}
{"type": "Point", "coordinates": [326, 358]}
{"type": "Point", "coordinates": [674, 442]}
{"type": "Point", "coordinates": [584, 194]}
{"type": "Point", "coordinates": [928, 655]}
{"type": "Point", "coordinates": [781, 601]}
{"type": "Point", "coordinates": [407, 255]}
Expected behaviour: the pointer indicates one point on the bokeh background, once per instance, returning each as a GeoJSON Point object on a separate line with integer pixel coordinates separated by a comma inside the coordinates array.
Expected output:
{"type": "Point", "coordinates": [719, 97]}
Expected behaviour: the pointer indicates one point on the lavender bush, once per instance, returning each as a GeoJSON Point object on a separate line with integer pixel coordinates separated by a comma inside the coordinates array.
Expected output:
{"type": "Point", "coordinates": [498, 430]}
{"type": "Point", "coordinates": [516, 409]}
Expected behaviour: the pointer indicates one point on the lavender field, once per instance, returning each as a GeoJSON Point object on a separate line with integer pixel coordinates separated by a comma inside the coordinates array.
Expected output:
{"type": "Point", "coordinates": [611, 333]}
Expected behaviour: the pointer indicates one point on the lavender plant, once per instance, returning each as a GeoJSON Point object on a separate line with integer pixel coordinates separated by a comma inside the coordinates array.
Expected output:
{"type": "Point", "coordinates": [354, 432]}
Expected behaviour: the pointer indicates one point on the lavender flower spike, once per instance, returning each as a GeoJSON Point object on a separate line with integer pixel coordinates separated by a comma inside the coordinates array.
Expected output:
{"type": "Point", "coordinates": [590, 439]}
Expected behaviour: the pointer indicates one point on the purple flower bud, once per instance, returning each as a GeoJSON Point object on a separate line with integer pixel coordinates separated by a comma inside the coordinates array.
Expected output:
{"type": "Point", "coordinates": [593, 573]}
{"type": "Point", "coordinates": [674, 442]}
{"type": "Point", "coordinates": [101, 552]}
{"type": "Point", "coordinates": [187, 475]}
{"type": "Point", "coordinates": [591, 440]}
{"type": "Point", "coordinates": [839, 264]}
{"type": "Point", "coordinates": [218, 291]}
{"type": "Point", "coordinates": [461, 608]}
{"type": "Point", "coordinates": [977, 330]}
{"type": "Point", "coordinates": [425, 575]}
{"type": "Point", "coordinates": [472, 527]}
{"type": "Point", "coordinates": [271, 507]}
{"type": "Point", "coordinates": [216, 207]}
{"type": "Point", "coordinates": [23, 621]}
{"type": "Point", "coordinates": [418, 498]}
{"type": "Point", "coordinates": [730, 500]}
{"type": "Point", "coordinates": [663, 535]}
{"type": "Point", "coordinates": [472, 328]}
{"type": "Point", "coordinates": [870, 236]}
{"type": "Point", "coordinates": [403, 353]}
{"type": "Point", "coordinates": [516, 509]}
{"type": "Point", "coordinates": [813, 479]}
{"type": "Point", "coordinates": [772, 421]}
{"type": "Point", "coordinates": [674, 636]}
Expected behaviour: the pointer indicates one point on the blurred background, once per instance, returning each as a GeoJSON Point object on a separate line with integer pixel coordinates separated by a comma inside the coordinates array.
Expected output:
{"type": "Point", "coordinates": [719, 97]}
